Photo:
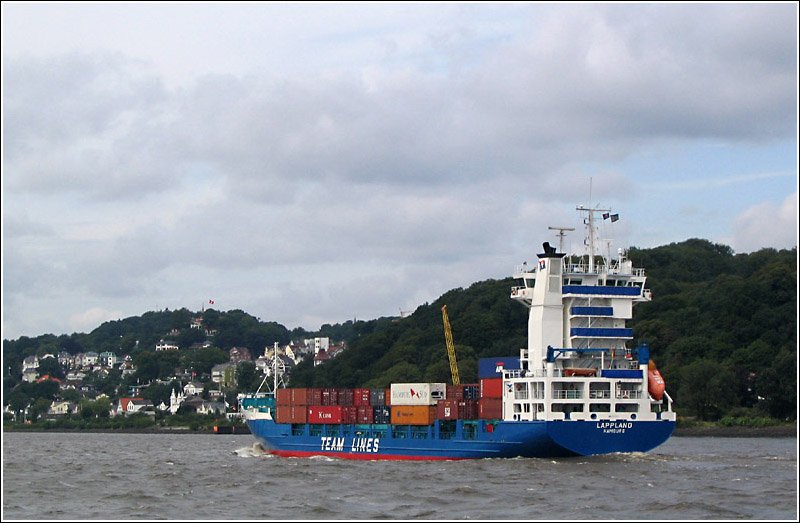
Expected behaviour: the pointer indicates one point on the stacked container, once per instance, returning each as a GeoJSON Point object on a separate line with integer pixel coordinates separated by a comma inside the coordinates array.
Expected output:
{"type": "Point", "coordinates": [411, 403]}
{"type": "Point", "coordinates": [417, 393]}
{"type": "Point", "coordinates": [413, 415]}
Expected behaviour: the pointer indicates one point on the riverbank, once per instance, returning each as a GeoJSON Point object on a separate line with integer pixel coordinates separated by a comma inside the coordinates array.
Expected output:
{"type": "Point", "coordinates": [720, 431]}
{"type": "Point", "coordinates": [133, 430]}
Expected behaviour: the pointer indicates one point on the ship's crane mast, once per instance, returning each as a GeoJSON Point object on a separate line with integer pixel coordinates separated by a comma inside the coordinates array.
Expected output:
{"type": "Point", "coordinates": [451, 350]}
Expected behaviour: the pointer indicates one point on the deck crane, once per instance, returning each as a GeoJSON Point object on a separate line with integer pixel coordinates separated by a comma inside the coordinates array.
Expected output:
{"type": "Point", "coordinates": [451, 350]}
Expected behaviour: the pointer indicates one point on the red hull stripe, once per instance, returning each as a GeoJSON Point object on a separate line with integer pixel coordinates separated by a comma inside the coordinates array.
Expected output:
{"type": "Point", "coordinates": [367, 457]}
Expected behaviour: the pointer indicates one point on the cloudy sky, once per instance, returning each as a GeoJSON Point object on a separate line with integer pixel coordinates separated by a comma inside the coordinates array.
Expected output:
{"type": "Point", "coordinates": [314, 163]}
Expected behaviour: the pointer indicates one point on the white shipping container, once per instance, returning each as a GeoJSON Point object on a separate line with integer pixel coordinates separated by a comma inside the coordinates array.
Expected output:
{"type": "Point", "coordinates": [417, 393]}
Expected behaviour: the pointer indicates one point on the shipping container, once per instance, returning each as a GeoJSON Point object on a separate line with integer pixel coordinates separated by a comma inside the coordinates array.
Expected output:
{"type": "Point", "coordinates": [349, 414]}
{"type": "Point", "coordinates": [290, 396]}
{"type": "Point", "coordinates": [493, 367]}
{"type": "Point", "coordinates": [490, 408]}
{"type": "Point", "coordinates": [491, 388]}
{"type": "Point", "coordinates": [361, 397]}
{"type": "Point", "coordinates": [325, 414]}
{"type": "Point", "coordinates": [314, 396]}
{"type": "Point", "coordinates": [377, 397]}
{"type": "Point", "coordinates": [448, 409]}
{"type": "Point", "coordinates": [413, 414]}
{"type": "Point", "coordinates": [365, 414]}
{"type": "Point", "coordinates": [454, 392]}
{"type": "Point", "coordinates": [387, 396]}
{"type": "Point", "coordinates": [417, 393]}
{"type": "Point", "coordinates": [283, 397]}
{"type": "Point", "coordinates": [472, 391]}
{"type": "Point", "coordinates": [345, 397]}
{"type": "Point", "coordinates": [471, 410]}
{"type": "Point", "coordinates": [330, 397]}
{"type": "Point", "coordinates": [382, 414]}
{"type": "Point", "coordinates": [291, 414]}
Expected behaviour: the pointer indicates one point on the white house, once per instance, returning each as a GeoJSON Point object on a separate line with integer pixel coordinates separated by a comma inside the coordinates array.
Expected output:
{"type": "Point", "coordinates": [90, 358]}
{"type": "Point", "coordinates": [30, 375]}
{"type": "Point", "coordinates": [134, 405]}
{"type": "Point", "coordinates": [31, 362]}
{"type": "Point", "coordinates": [193, 388]}
{"type": "Point", "coordinates": [62, 408]}
{"type": "Point", "coordinates": [317, 344]}
{"type": "Point", "coordinates": [165, 345]}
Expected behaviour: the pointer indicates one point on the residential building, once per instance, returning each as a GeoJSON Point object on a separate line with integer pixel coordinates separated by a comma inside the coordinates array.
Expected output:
{"type": "Point", "coordinates": [224, 374]}
{"type": "Point", "coordinates": [108, 359]}
{"type": "Point", "coordinates": [165, 345]}
{"type": "Point", "coordinates": [317, 344]}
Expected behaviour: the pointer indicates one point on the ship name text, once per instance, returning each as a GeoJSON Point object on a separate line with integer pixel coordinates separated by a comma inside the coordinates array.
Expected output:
{"type": "Point", "coordinates": [614, 427]}
{"type": "Point", "coordinates": [330, 443]}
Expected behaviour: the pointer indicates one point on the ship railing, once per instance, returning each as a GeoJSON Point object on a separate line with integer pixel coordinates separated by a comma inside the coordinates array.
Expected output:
{"type": "Point", "coordinates": [524, 269]}
{"type": "Point", "coordinates": [599, 394]}
{"type": "Point", "coordinates": [527, 373]}
{"type": "Point", "coordinates": [628, 394]}
{"type": "Point", "coordinates": [614, 267]}
{"type": "Point", "coordinates": [521, 292]}
{"type": "Point", "coordinates": [567, 394]}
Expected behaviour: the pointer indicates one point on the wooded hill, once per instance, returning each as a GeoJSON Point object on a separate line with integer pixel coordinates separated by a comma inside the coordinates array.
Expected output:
{"type": "Point", "coordinates": [722, 329]}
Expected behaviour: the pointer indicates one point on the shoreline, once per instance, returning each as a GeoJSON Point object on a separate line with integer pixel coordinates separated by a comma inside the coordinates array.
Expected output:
{"type": "Point", "coordinates": [775, 431]}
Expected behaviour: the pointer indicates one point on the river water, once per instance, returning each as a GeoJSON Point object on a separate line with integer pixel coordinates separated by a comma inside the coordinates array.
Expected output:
{"type": "Point", "coordinates": [97, 476]}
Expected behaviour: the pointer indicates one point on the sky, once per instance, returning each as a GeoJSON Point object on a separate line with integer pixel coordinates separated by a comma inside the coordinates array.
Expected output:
{"type": "Point", "coordinates": [313, 163]}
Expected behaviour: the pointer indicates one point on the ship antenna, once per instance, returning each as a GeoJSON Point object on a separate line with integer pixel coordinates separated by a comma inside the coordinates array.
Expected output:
{"type": "Point", "coordinates": [561, 235]}
{"type": "Point", "coordinates": [590, 230]}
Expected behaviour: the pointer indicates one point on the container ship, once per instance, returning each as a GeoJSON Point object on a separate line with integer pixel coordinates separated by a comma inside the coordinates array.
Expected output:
{"type": "Point", "coordinates": [577, 389]}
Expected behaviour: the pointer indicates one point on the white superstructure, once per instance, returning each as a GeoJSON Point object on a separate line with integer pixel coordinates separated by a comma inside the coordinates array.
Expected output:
{"type": "Point", "coordinates": [577, 365]}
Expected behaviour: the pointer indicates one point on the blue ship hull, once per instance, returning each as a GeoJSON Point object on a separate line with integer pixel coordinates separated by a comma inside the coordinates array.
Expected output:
{"type": "Point", "coordinates": [474, 439]}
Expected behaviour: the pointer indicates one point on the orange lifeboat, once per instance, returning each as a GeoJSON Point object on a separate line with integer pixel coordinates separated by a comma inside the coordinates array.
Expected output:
{"type": "Point", "coordinates": [580, 372]}
{"type": "Point", "coordinates": [655, 383]}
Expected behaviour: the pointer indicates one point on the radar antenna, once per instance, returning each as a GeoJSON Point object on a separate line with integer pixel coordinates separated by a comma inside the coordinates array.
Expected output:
{"type": "Point", "coordinates": [561, 234]}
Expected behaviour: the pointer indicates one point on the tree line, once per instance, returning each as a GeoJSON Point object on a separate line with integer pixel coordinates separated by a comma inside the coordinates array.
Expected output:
{"type": "Point", "coordinates": [722, 328]}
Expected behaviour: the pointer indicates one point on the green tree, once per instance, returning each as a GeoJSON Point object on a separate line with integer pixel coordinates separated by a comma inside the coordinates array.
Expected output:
{"type": "Point", "coordinates": [707, 389]}
{"type": "Point", "coordinates": [39, 408]}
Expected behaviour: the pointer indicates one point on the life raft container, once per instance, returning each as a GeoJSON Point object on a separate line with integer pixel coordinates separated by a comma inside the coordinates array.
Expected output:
{"type": "Point", "coordinates": [655, 383]}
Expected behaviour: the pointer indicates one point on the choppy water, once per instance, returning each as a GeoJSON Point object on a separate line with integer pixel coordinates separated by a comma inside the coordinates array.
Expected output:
{"type": "Point", "coordinates": [207, 477]}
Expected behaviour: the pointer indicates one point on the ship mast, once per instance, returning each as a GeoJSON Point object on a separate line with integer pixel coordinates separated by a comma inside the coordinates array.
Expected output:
{"type": "Point", "coordinates": [590, 229]}
{"type": "Point", "coordinates": [561, 234]}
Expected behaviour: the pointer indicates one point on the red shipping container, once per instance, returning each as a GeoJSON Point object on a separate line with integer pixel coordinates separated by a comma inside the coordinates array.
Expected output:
{"type": "Point", "coordinates": [349, 414]}
{"type": "Point", "coordinates": [365, 414]}
{"type": "Point", "coordinates": [290, 414]}
{"type": "Point", "coordinates": [313, 397]}
{"type": "Point", "coordinates": [448, 409]}
{"type": "Point", "coordinates": [283, 397]}
{"type": "Point", "coordinates": [388, 396]}
{"type": "Point", "coordinates": [492, 388]}
{"type": "Point", "coordinates": [345, 397]}
{"type": "Point", "coordinates": [470, 410]}
{"type": "Point", "coordinates": [490, 408]}
{"type": "Point", "coordinates": [361, 397]}
{"type": "Point", "coordinates": [325, 414]}
{"type": "Point", "coordinates": [454, 392]}
{"type": "Point", "coordinates": [299, 396]}
{"type": "Point", "coordinates": [330, 396]}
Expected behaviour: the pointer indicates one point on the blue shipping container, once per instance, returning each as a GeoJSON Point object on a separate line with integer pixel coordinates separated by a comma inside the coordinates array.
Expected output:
{"type": "Point", "coordinates": [493, 367]}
